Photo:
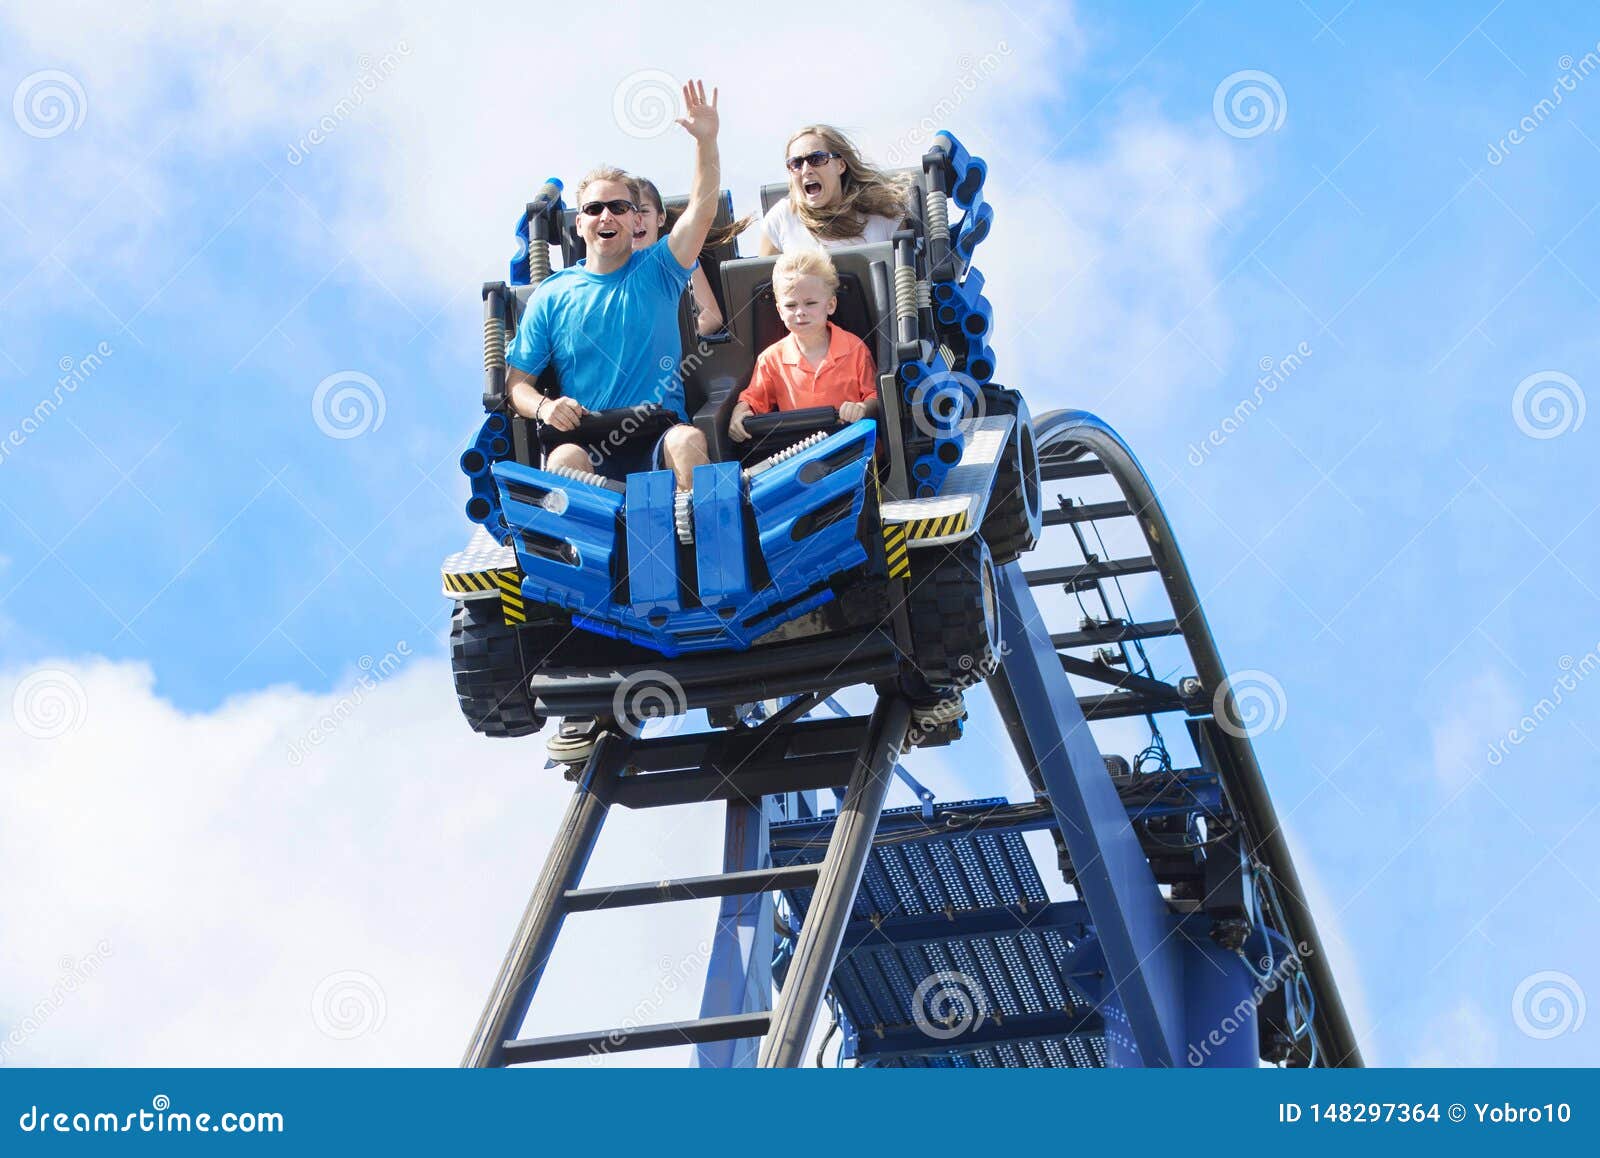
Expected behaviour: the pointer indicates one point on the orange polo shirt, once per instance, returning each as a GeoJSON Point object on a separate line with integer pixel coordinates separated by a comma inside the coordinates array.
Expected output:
{"type": "Point", "coordinates": [784, 380]}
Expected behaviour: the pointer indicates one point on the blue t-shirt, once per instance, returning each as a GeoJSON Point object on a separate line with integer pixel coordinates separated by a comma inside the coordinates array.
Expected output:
{"type": "Point", "coordinates": [613, 337]}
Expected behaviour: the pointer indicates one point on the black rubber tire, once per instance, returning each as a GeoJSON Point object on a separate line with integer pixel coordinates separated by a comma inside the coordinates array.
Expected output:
{"type": "Point", "coordinates": [955, 613]}
{"type": "Point", "coordinates": [1012, 522]}
{"type": "Point", "coordinates": [491, 673]}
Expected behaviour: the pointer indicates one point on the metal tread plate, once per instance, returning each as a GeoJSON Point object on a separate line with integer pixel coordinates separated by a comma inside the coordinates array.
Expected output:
{"type": "Point", "coordinates": [952, 924]}
{"type": "Point", "coordinates": [957, 510]}
{"type": "Point", "coordinates": [469, 573]}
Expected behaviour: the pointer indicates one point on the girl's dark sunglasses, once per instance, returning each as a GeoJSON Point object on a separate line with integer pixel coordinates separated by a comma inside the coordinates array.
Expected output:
{"type": "Point", "coordinates": [815, 160]}
{"type": "Point", "coordinates": [618, 207]}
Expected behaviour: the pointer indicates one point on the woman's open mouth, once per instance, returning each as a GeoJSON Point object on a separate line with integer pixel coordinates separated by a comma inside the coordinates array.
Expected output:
{"type": "Point", "coordinates": [812, 188]}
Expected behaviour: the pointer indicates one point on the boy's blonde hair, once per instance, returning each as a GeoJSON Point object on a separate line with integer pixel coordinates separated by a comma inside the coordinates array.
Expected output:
{"type": "Point", "coordinates": [797, 263]}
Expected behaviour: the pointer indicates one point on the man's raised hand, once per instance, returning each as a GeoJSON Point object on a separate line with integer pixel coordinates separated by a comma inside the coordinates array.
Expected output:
{"type": "Point", "coordinates": [700, 120]}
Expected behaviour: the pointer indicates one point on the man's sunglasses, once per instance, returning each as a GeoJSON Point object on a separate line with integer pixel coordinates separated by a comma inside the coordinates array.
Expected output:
{"type": "Point", "coordinates": [815, 160]}
{"type": "Point", "coordinates": [617, 207]}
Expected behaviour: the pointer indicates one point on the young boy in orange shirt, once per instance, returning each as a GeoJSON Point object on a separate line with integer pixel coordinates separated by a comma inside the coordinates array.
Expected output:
{"type": "Point", "coordinates": [818, 364]}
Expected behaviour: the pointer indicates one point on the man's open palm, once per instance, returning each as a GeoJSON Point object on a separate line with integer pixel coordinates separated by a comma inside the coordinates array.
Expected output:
{"type": "Point", "coordinates": [701, 119]}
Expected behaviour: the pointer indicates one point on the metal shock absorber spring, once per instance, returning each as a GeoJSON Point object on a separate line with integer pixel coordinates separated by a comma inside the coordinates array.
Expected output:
{"type": "Point", "coordinates": [938, 216]}
{"type": "Point", "coordinates": [577, 475]}
{"type": "Point", "coordinates": [905, 292]}
{"type": "Point", "coordinates": [494, 344]}
{"type": "Point", "coordinates": [787, 453]}
{"type": "Point", "coordinates": [538, 261]}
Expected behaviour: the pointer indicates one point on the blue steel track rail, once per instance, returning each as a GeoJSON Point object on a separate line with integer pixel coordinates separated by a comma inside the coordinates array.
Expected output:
{"type": "Point", "coordinates": [1086, 445]}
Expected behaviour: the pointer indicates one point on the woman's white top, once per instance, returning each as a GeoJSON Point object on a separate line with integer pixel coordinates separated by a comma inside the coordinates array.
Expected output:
{"type": "Point", "coordinates": [784, 229]}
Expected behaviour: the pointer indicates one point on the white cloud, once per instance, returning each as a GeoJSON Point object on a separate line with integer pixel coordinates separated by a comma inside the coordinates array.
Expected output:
{"type": "Point", "coordinates": [1462, 1036]}
{"type": "Point", "coordinates": [228, 884]}
{"type": "Point", "coordinates": [1477, 714]}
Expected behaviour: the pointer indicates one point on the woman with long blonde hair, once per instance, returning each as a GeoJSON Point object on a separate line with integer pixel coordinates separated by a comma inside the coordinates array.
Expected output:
{"type": "Point", "coordinates": [835, 197]}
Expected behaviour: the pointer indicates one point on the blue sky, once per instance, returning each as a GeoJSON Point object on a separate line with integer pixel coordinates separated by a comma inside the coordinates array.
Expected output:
{"type": "Point", "coordinates": [1381, 535]}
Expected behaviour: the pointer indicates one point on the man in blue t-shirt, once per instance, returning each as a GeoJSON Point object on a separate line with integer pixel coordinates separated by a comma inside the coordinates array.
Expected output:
{"type": "Point", "coordinates": [609, 324]}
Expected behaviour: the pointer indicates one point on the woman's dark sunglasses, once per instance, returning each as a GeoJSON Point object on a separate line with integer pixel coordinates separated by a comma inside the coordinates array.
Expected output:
{"type": "Point", "coordinates": [815, 160]}
{"type": "Point", "coordinates": [617, 207]}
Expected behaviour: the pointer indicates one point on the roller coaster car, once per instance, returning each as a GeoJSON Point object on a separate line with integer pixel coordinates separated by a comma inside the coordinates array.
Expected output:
{"type": "Point", "coordinates": [815, 556]}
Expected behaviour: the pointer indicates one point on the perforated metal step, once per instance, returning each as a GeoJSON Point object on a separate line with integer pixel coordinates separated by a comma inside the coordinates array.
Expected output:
{"type": "Point", "coordinates": [955, 956]}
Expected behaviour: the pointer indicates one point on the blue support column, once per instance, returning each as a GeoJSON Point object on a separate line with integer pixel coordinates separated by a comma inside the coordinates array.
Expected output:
{"type": "Point", "coordinates": [739, 977]}
{"type": "Point", "coordinates": [1144, 955]}
{"type": "Point", "coordinates": [1220, 1003]}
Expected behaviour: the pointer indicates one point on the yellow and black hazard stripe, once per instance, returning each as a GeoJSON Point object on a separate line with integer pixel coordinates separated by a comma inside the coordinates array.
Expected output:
{"type": "Point", "coordinates": [511, 607]}
{"type": "Point", "coordinates": [895, 554]}
{"type": "Point", "coordinates": [937, 527]}
{"type": "Point", "coordinates": [505, 581]}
